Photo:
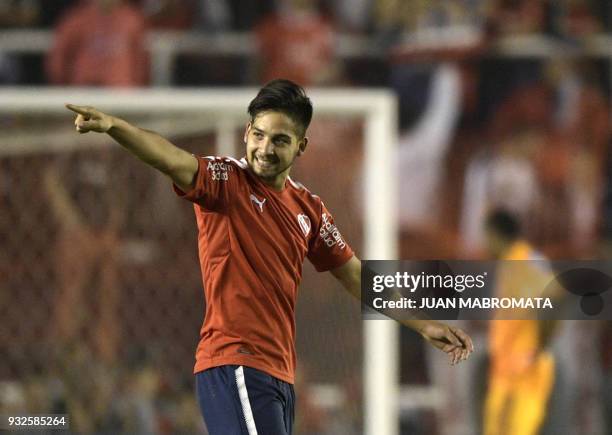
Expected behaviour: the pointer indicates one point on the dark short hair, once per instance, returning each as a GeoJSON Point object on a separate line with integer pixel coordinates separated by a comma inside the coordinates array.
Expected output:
{"type": "Point", "coordinates": [284, 96]}
{"type": "Point", "coordinates": [504, 223]}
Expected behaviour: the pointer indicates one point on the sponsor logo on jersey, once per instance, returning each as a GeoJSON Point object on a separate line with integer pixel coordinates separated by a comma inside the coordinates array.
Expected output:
{"type": "Point", "coordinates": [304, 222]}
{"type": "Point", "coordinates": [259, 203]}
{"type": "Point", "coordinates": [330, 234]}
{"type": "Point", "coordinates": [219, 171]}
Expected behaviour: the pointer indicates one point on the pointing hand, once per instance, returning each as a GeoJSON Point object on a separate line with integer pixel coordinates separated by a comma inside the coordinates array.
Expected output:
{"type": "Point", "coordinates": [90, 119]}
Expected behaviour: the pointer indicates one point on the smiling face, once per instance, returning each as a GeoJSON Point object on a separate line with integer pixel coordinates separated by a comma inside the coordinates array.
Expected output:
{"type": "Point", "coordinates": [273, 141]}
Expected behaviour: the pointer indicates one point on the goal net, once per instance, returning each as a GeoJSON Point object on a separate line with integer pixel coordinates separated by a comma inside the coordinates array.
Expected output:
{"type": "Point", "coordinates": [100, 291]}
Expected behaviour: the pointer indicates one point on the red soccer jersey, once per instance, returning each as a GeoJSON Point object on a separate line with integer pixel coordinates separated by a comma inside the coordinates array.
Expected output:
{"type": "Point", "coordinates": [94, 48]}
{"type": "Point", "coordinates": [252, 241]}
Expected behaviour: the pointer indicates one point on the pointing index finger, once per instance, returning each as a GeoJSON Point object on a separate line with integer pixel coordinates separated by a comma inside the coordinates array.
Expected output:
{"type": "Point", "coordinates": [79, 109]}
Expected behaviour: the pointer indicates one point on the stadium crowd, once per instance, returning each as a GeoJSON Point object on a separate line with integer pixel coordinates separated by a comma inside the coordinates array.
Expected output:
{"type": "Point", "coordinates": [501, 104]}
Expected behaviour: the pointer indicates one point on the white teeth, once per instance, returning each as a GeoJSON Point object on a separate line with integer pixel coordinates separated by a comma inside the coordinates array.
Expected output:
{"type": "Point", "coordinates": [265, 162]}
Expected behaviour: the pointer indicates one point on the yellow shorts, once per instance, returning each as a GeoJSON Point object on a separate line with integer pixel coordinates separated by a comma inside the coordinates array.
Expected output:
{"type": "Point", "coordinates": [516, 404]}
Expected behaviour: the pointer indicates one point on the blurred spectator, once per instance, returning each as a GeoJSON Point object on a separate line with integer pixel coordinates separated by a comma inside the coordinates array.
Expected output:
{"type": "Point", "coordinates": [232, 15]}
{"type": "Point", "coordinates": [297, 43]}
{"type": "Point", "coordinates": [141, 385]}
{"type": "Point", "coordinates": [605, 347]}
{"type": "Point", "coordinates": [214, 16]}
{"type": "Point", "coordinates": [399, 19]}
{"type": "Point", "coordinates": [582, 121]}
{"type": "Point", "coordinates": [431, 45]}
{"type": "Point", "coordinates": [86, 256]}
{"type": "Point", "coordinates": [558, 126]}
{"type": "Point", "coordinates": [606, 362]}
{"type": "Point", "coordinates": [571, 161]}
{"type": "Point", "coordinates": [19, 13]}
{"type": "Point", "coordinates": [25, 68]}
{"type": "Point", "coordinates": [574, 19]}
{"type": "Point", "coordinates": [423, 148]}
{"type": "Point", "coordinates": [12, 398]}
{"type": "Point", "coordinates": [52, 10]}
{"type": "Point", "coordinates": [606, 224]}
{"type": "Point", "coordinates": [519, 17]}
{"type": "Point", "coordinates": [32, 13]}
{"type": "Point", "coordinates": [581, 113]}
{"type": "Point", "coordinates": [502, 176]}
{"type": "Point", "coordinates": [169, 14]}
{"type": "Point", "coordinates": [15, 14]}
{"type": "Point", "coordinates": [221, 68]}
{"type": "Point", "coordinates": [351, 15]}
{"type": "Point", "coordinates": [99, 43]}
{"type": "Point", "coordinates": [9, 70]}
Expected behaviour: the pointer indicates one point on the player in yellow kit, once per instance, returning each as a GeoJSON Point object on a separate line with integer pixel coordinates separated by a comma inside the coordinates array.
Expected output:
{"type": "Point", "coordinates": [521, 374]}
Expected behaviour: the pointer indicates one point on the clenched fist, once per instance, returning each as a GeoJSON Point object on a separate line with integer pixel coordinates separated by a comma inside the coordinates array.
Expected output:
{"type": "Point", "coordinates": [90, 119]}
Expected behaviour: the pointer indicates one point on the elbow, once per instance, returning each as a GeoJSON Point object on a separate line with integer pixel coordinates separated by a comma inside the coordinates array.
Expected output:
{"type": "Point", "coordinates": [180, 175]}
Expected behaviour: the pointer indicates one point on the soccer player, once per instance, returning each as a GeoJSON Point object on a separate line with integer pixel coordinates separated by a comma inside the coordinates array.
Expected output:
{"type": "Point", "coordinates": [255, 228]}
{"type": "Point", "coordinates": [522, 368]}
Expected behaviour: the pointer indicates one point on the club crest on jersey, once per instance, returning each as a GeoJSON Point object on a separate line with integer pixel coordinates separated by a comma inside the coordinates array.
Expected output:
{"type": "Point", "coordinates": [259, 203]}
{"type": "Point", "coordinates": [304, 222]}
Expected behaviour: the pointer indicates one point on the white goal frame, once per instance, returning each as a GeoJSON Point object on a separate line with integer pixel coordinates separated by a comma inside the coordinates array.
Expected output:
{"type": "Point", "coordinates": [379, 110]}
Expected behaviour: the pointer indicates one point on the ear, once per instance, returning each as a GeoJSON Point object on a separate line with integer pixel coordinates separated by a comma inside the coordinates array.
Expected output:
{"type": "Point", "coordinates": [246, 132]}
{"type": "Point", "coordinates": [302, 146]}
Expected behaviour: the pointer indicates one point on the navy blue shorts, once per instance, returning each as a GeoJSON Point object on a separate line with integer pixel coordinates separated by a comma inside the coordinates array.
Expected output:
{"type": "Point", "coordinates": [239, 400]}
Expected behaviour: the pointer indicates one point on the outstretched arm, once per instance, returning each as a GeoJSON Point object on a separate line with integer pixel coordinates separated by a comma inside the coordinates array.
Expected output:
{"type": "Point", "coordinates": [453, 341]}
{"type": "Point", "coordinates": [65, 210]}
{"type": "Point", "coordinates": [148, 146]}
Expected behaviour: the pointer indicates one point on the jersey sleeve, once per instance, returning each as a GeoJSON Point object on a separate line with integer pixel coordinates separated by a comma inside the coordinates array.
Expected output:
{"type": "Point", "coordinates": [213, 181]}
{"type": "Point", "coordinates": [328, 249]}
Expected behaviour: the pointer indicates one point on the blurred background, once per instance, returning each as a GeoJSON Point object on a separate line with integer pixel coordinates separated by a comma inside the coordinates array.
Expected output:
{"type": "Point", "coordinates": [502, 103]}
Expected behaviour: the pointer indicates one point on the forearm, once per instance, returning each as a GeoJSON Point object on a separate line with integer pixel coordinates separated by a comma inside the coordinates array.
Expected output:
{"type": "Point", "coordinates": [417, 325]}
{"type": "Point", "coordinates": [419, 321]}
{"type": "Point", "coordinates": [353, 288]}
{"type": "Point", "coordinates": [149, 147]}
{"type": "Point", "coordinates": [155, 151]}
{"type": "Point", "coordinates": [62, 207]}
{"type": "Point", "coordinates": [432, 330]}
{"type": "Point", "coordinates": [451, 340]}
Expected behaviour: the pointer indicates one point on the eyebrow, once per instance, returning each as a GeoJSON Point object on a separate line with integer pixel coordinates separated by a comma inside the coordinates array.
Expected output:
{"type": "Point", "coordinates": [283, 135]}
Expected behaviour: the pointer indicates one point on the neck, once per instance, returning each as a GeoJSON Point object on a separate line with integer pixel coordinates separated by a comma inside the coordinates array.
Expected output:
{"type": "Point", "coordinates": [278, 182]}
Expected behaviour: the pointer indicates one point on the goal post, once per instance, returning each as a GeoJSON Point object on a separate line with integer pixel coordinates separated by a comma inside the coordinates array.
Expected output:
{"type": "Point", "coordinates": [227, 108]}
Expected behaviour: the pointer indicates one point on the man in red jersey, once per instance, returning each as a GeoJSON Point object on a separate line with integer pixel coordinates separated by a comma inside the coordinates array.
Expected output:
{"type": "Point", "coordinates": [255, 228]}
{"type": "Point", "coordinates": [99, 43]}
